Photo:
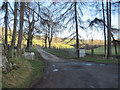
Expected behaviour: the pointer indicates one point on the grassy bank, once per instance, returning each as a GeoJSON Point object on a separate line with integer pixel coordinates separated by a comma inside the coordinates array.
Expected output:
{"type": "Point", "coordinates": [59, 53]}
{"type": "Point", "coordinates": [24, 73]}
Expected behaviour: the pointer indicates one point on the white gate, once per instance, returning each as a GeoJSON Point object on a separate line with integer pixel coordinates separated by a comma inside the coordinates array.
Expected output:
{"type": "Point", "coordinates": [82, 52]}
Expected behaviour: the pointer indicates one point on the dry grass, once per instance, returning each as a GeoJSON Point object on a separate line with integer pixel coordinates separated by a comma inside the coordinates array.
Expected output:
{"type": "Point", "coordinates": [16, 77]}
{"type": "Point", "coordinates": [24, 73]}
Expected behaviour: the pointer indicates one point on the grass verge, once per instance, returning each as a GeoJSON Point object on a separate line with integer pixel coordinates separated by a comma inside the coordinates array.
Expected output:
{"type": "Point", "coordinates": [59, 53]}
{"type": "Point", "coordinates": [99, 59]}
{"type": "Point", "coordinates": [24, 73]}
{"type": "Point", "coordinates": [95, 58]}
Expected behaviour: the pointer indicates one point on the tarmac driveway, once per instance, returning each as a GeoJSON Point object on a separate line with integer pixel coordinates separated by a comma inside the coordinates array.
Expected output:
{"type": "Point", "coordinates": [62, 73]}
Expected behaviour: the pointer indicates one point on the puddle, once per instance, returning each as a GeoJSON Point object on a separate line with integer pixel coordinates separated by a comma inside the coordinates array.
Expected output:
{"type": "Point", "coordinates": [75, 63]}
{"type": "Point", "coordinates": [92, 86]}
{"type": "Point", "coordinates": [102, 64]}
{"type": "Point", "coordinates": [89, 64]}
{"type": "Point", "coordinates": [45, 77]}
{"type": "Point", "coordinates": [47, 72]}
{"type": "Point", "coordinates": [53, 65]}
{"type": "Point", "coordinates": [55, 70]}
{"type": "Point", "coordinates": [71, 69]}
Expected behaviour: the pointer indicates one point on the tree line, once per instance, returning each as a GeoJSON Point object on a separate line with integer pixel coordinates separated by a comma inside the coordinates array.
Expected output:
{"type": "Point", "coordinates": [35, 18]}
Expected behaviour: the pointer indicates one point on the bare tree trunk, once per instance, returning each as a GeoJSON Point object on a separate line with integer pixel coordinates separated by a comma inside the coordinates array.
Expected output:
{"type": "Point", "coordinates": [50, 40]}
{"type": "Point", "coordinates": [21, 28]}
{"type": "Point", "coordinates": [31, 27]}
{"type": "Point", "coordinates": [31, 40]}
{"type": "Point", "coordinates": [49, 44]}
{"type": "Point", "coordinates": [29, 36]}
{"type": "Point", "coordinates": [6, 26]}
{"type": "Point", "coordinates": [50, 36]}
{"type": "Point", "coordinates": [92, 47]}
{"type": "Point", "coordinates": [110, 26]}
{"type": "Point", "coordinates": [104, 29]}
{"type": "Point", "coordinates": [115, 45]}
{"type": "Point", "coordinates": [14, 28]}
{"type": "Point", "coordinates": [108, 31]}
{"type": "Point", "coordinates": [77, 39]}
{"type": "Point", "coordinates": [46, 40]}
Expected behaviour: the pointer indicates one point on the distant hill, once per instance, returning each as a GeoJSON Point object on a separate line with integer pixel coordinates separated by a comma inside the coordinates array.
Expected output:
{"type": "Point", "coordinates": [56, 42]}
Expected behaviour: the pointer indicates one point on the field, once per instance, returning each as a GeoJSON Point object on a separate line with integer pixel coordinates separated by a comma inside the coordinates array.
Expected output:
{"type": "Point", "coordinates": [100, 51]}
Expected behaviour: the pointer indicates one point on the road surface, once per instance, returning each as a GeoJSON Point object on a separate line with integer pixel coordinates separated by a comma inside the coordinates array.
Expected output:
{"type": "Point", "coordinates": [62, 73]}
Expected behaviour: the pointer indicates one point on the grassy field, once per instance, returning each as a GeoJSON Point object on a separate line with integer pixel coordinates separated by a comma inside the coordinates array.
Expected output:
{"type": "Point", "coordinates": [100, 51]}
{"type": "Point", "coordinates": [25, 72]}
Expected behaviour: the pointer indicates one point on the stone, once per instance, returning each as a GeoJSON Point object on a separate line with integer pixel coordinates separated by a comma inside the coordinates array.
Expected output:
{"type": "Point", "coordinates": [7, 65]}
{"type": "Point", "coordinates": [29, 55]}
{"type": "Point", "coordinates": [4, 70]}
{"type": "Point", "coordinates": [55, 70]}
{"type": "Point", "coordinates": [14, 64]}
{"type": "Point", "coordinates": [4, 61]}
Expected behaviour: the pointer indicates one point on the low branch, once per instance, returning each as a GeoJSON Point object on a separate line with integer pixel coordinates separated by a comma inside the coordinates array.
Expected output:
{"type": "Point", "coordinates": [98, 21]}
{"type": "Point", "coordinates": [71, 39]}
{"type": "Point", "coordinates": [68, 37]}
